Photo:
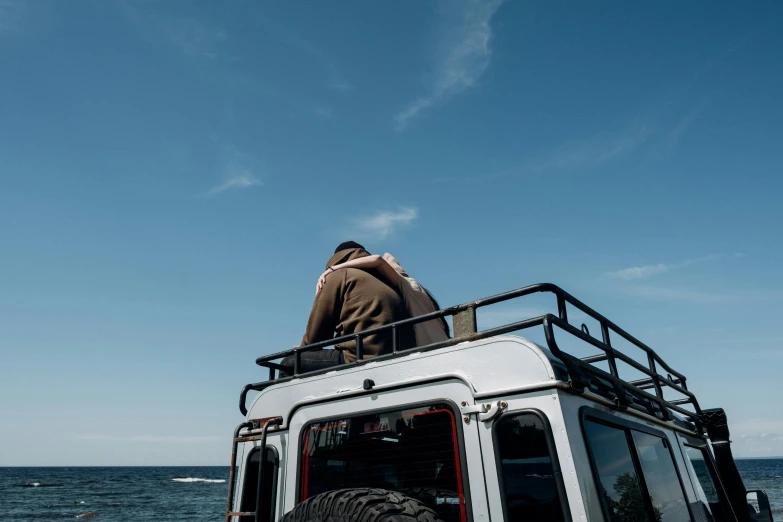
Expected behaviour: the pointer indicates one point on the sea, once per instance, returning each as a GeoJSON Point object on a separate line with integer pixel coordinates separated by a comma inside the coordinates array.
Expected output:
{"type": "Point", "coordinates": [193, 494]}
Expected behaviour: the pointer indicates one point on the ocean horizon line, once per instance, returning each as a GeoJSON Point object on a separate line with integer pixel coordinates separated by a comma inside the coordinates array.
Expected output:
{"type": "Point", "coordinates": [780, 457]}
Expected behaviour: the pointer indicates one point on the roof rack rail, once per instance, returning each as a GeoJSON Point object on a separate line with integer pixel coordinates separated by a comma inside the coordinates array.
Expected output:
{"type": "Point", "coordinates": [583, 373]}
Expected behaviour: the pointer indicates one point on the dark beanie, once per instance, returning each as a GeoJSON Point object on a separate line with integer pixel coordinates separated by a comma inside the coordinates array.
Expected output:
{"type": "Point", "coordinates": [347, 245]}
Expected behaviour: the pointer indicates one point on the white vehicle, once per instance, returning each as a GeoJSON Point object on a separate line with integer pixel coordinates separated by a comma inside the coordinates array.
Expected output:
{"type": "Point", "coordinates": [487, 426]}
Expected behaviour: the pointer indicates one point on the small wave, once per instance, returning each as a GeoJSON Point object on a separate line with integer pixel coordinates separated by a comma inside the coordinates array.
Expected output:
{"type": "Point", "coordinates": [37, 485]}
{"type": "Point", "coordinates": [191, 479]}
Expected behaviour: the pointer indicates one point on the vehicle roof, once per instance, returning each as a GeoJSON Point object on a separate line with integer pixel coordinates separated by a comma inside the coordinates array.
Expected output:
{"type": "Point", "coordinates": [489, 366]}
{"type": "Point", "coordinates": [491, 361]}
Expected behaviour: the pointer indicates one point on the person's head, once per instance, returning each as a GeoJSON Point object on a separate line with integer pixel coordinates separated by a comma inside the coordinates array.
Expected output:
{"type": "Point", "coordinates": [392, 261]}
{"type": "Point", "coordinates": [347, 251]}
{"type": "Point", "coordinates": [347, 245]}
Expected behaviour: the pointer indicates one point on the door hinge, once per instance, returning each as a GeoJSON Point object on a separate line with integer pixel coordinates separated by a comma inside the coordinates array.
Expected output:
{"type": "Point", "coordinates": [485, 411]}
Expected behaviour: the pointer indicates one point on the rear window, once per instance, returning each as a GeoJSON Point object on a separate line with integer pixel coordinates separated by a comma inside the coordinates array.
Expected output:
{"type": "Point", "coordinates": [414, 451]}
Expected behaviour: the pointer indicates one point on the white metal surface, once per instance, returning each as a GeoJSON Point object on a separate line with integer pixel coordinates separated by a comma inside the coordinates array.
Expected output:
{"type": "Point", "coordinates": [487, 367]}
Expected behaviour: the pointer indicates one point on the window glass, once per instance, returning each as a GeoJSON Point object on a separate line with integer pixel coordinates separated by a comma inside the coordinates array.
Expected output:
{"type": "Point", "coordinates": [529, 486]}
{"type": "Point", "coordinates": [660, 476]}
{"type": "Point", "coordinates": [619, 484]}
{"type": "Point", "coordinates": [413, 451]}
{"type": "Point", "coordinates": [705, 484]}
{"type": "Point", "coordinates": [250, 487]}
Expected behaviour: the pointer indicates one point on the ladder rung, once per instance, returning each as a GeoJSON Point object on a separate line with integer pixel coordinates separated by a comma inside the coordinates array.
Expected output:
{"type": "Point", "coordinates": [595, 358]}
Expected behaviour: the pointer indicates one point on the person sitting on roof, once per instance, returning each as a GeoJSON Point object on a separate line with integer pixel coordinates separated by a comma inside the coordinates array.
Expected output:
{"type": "Point", "coordinates": [350, 302]}
{"type": "Point", "coordinates": [418, 300]}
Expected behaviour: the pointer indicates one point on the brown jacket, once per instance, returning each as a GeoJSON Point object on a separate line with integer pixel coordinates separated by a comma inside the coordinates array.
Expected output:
{"type": "Point", "coordinates": [418, 302]}
{"type": "Point", "coordinates": [351, 301]}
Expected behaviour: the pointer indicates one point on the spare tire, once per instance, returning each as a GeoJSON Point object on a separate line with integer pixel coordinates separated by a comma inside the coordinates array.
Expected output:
{"type": "Point", "coordinates": [444, 502]}
{"type": "Point", "coordinates": [361, 505]}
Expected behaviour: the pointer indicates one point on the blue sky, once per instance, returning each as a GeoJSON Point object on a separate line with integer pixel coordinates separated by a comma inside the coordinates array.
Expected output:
{"type": "Point", "coordinates": [174, 175]}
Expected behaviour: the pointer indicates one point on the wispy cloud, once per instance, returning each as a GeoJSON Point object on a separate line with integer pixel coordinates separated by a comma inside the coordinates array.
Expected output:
{"type": "Point", "coordinates": [381, 225]}
{"type": "Point", "coordinates": [591, 153]}
{"type": "Point", "coordinates": [192, 36]}
{"type": "Point", "coordinates": [661, 293]}
{"type": "Point", "coordinates": [465, 57]}
{"type": "Point", "coordinates": [195, 38]}
{"type": "Point", "coordinates": [640, 272]}
{"type": "Point", "coordinates": [715, 61]}
{"type": "Point", "coordinates": [238, 170]}
{"type": "Point", "coordinates": [340, 86]}
{"type": "Point", "coordinates": [236, 180]}
{"type": "Point", "coordinates": [645, 271]}
{"type": "Point", "coordinates": [325, 112]}
{"type": "Point", "coordinates": [149, 439]}
{"type": "Point", "coordinates": [679, 130]}
{"type": "Point", "coordinates": [634, 276]}
{"type": "Point", "coordinates": [660, 127]}
{"type": "Point", "coordinates": [690, 295]}
{"type": "Point", "coordinates": [579, 156]}
{"type": "Point", "coordinates": [761, 341]}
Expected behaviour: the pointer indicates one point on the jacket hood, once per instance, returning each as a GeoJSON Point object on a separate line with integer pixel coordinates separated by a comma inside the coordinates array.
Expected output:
{"type": "Point", "coordinates": [346, 255]}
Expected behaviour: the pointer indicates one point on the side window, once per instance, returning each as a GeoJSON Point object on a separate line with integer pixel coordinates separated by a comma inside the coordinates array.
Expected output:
{"type": "Point", "coordinates": [660, 475]}
{"type": "Point", "coordinates": [619, 484]}
{"type": "Point", "coordinates": [269, 484]}
{"type": "Point", "coordinates": [637, 475]}
{"type": "Point", "coordinates": [527, 474]}
{"type": "Point", "coordinates": [414, 451]}
{"type": "Point", "coordinates": [705, 483]}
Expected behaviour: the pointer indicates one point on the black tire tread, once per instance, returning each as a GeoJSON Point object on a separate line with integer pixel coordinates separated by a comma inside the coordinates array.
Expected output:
{"type": "Point", "coordinates": [361, 505]}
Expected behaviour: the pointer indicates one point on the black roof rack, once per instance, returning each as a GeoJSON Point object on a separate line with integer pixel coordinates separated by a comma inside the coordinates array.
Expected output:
{"type": "Point", "coordinates": [583, 374]}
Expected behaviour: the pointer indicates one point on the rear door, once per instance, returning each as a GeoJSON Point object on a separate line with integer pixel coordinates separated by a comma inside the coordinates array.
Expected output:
{"type": "Point", "coordinates": [413, 440]}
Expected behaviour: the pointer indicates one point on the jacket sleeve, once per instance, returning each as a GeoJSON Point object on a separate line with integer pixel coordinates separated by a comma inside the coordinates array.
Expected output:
{"type": "Point", "coordinates": [325, 315]}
